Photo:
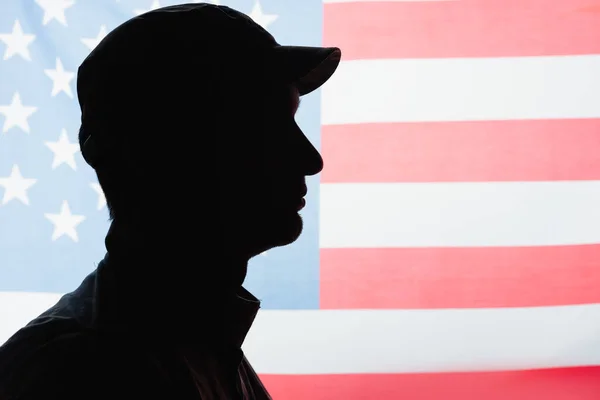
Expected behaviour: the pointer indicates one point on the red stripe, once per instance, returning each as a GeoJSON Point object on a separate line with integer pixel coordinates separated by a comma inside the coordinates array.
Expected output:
{"type": "Point", "coordinates": [433, 278]}
{"type": "Point", "coordinates": [554, 384]}
{"type": "Point", "coordinates": [462, 151]}
{"type": "Point", "coordinates": [464, 28]}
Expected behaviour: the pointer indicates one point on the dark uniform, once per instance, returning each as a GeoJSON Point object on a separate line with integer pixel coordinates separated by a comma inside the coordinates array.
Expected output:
{"type": "Point", "coordinates": [109, 340]}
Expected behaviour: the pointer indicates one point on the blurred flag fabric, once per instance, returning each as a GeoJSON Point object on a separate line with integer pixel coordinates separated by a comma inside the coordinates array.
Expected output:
{"type": "Point", "coordinates": [452, 242]}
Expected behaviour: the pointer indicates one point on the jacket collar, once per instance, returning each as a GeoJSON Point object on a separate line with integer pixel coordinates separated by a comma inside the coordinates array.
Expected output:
{"type": "Point", "coordinates": [150, 294]}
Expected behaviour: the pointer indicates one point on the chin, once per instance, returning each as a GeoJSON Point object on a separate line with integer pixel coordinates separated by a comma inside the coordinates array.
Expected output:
{"type": "Point", "coordinates": [281, 231]}
{"type": "Point", "coordinates": [289, 229]}
{"type": "Point", "coordinates": [263, 229]}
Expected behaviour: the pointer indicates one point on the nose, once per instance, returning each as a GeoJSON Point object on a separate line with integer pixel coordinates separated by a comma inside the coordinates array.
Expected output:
{"type": "Point", "coordinates": [310, 160]}
{"type": "Point", "coordinates": [314, 161]}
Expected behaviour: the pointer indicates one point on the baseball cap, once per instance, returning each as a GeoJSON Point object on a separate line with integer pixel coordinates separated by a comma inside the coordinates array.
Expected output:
{"type": "Point", "coordinates": [195, 38]}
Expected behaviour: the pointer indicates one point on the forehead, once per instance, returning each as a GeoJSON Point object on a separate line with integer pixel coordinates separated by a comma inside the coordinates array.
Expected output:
{"type": "Point", "coordinates": [289, 95]}
{"type": "Point", "coordinates": [294, 96]}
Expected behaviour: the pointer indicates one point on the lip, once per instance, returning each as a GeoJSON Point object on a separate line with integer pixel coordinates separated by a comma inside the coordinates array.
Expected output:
{"type": "Point", "coordinates": [304, 191]}
{"type": "Point", "coordinates": [302, 204]}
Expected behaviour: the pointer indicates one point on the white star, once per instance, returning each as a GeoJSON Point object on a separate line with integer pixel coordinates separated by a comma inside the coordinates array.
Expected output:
{"type": "Point", "coordinates": [101, 199]}
{"type": "Point", "coordinates": [64, 151]}
{"type": "Point", "coordinates": [15, 186]}
{"type": "Point", "coordinates": [17, 42]}
{"type": "Point", "coordinates": [91, 43]}
{"type": "Point", "coordinates": [259, 17]}
{"type": "Point", "coordinates": [155, 4]}
{"type": "Point", "coordinates": [55, 9]}
{"type": "Point", "coordinates": [16, 114]}
{"type": "Point", "coordinates": [65, 222]}
{"type": "Point", "coordinates": [61, 79]}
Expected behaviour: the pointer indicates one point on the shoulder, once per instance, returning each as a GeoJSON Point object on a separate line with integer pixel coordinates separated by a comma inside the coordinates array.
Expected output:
{"type": "Point", "coordinates": [50, 368]}
{"type": "Point", "coordinates": [70, 366]}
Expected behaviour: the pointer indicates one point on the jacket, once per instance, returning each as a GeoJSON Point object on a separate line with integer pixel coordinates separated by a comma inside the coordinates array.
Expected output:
{"type": "Point", "coordinates": [106, 340]}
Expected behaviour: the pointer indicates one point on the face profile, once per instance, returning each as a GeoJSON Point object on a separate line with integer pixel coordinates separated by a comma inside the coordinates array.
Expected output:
{"type": "Point", "coordinates": [264, 190]}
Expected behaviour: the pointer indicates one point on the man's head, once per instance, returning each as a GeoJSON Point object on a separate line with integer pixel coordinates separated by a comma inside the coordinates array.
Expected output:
{"type": "Point", "coordinates": [188, 117]}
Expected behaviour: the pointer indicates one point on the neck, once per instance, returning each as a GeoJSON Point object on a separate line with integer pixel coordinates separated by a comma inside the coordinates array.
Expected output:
{"type": "Point", "coordinates": [157, 257]}
{"type": "Point", "coordinates": [182, 285]}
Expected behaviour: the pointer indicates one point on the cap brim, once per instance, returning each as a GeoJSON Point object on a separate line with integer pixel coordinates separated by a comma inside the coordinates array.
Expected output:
{"type": "Point", "coordinates": [307, 67]}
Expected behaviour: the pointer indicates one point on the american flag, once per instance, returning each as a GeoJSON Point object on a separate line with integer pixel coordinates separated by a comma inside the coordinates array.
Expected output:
{"type": "Point", "coordinates": [451, 245]}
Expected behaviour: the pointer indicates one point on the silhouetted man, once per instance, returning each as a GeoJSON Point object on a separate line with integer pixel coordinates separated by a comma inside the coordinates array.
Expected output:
{"type": "Point", "coordinates": [188, 120]}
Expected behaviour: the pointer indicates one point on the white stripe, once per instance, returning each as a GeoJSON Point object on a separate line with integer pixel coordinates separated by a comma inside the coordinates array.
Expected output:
{"type": "Point", "coordinates": [459, 214]}
{"type": "Point", "coordinates": [18, 308]}
{"type": "Point", "coordinates": [388, 341]}
{"type": "Point", "coordinates": [463, 89]}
